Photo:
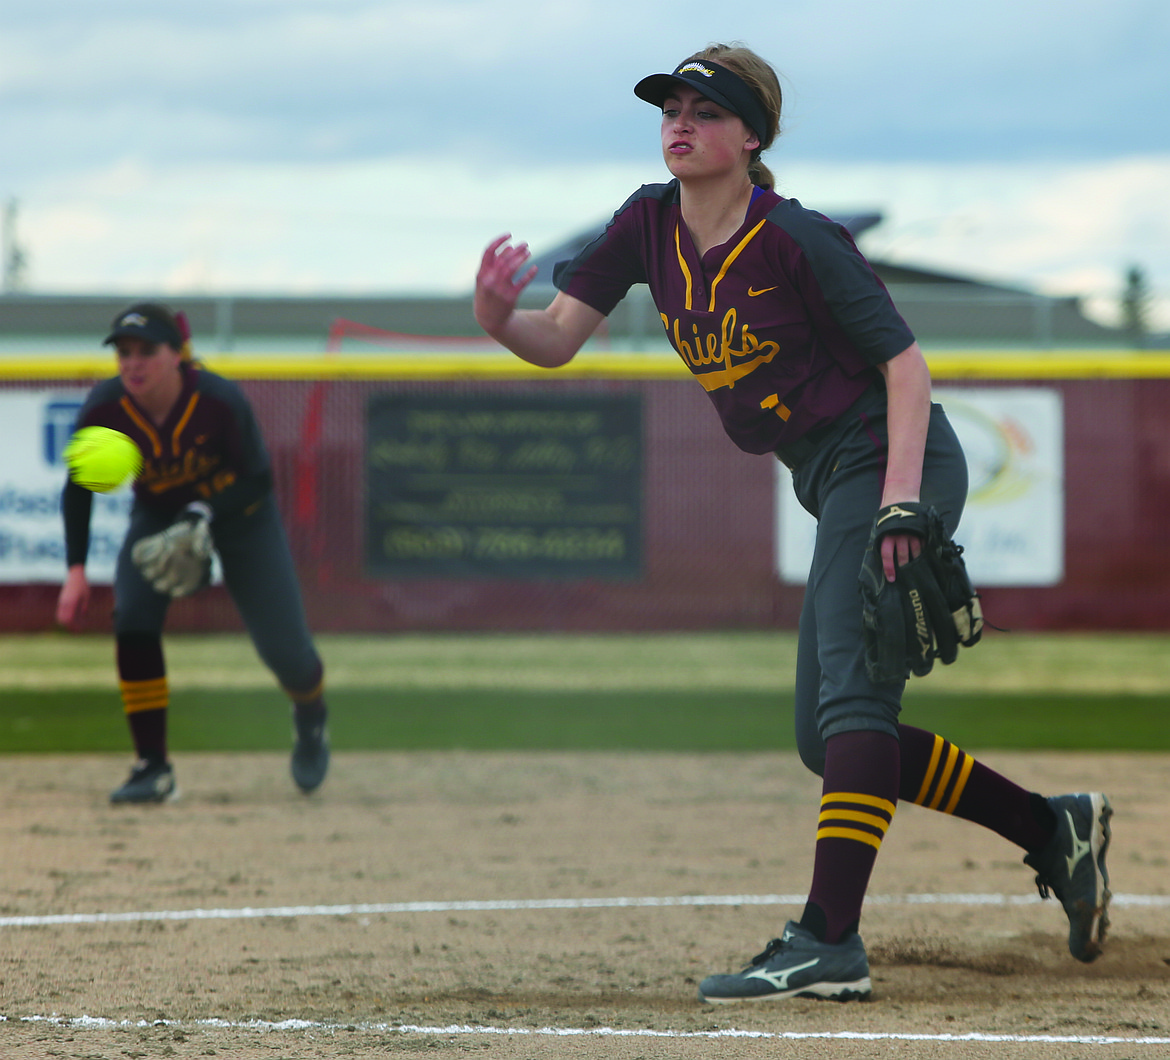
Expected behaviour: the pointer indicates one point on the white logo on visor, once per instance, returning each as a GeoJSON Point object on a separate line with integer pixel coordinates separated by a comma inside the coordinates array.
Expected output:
{"type": "Point", "coordinates": [697, 68]}
{"type": "Point", "coordinates": [137, 319]}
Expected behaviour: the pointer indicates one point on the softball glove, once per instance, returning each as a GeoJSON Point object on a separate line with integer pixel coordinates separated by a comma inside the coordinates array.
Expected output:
{"type": "Point", "coordinates": [928, 610]}
{"type": "Point", "coordinates": [177, 561]}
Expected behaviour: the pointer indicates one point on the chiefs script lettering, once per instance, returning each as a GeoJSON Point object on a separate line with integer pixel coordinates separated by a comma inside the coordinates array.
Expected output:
{"type": "Point", "coordinates": [735, 348]}
{"type": "Point", "coordinates": [193, 468]}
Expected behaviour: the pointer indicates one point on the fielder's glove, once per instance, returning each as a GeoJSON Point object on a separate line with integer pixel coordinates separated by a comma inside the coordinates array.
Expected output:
{"type": "Point", "coordinates": [177, 560]}
{"type": "Point", "coordinates": [928, 611]}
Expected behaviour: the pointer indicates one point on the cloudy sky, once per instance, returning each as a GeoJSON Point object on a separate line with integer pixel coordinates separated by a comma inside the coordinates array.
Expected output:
{"type": "Point", "coordinates": [367, 146]}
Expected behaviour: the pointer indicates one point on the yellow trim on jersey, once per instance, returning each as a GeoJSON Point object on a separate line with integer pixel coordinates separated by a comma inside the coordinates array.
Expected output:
{"type": "Point", "coordinates": [682, 264]}
{"type": "Point", "coordinates": [183, 421]}
{"type": "Point", "coordinates": [727, 263]}
{"type": "Point", "coordinates": [772, 401]}
{"type": "Point", "coordinates": [143, 424]}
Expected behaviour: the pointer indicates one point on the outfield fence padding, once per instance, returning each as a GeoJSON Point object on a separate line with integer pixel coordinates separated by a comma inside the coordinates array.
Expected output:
{"type": "Point", "coordinates": [707, 519]}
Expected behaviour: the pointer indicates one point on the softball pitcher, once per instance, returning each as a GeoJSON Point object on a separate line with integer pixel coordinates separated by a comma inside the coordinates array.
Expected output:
{"type": "Point", "coordinates": [205, 484]}
{"type": "Point", "coordinates": [803, 355]}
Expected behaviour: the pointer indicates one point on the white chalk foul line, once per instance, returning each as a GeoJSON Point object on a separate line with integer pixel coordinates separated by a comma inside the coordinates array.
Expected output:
{"type": "Point", "coordinates": [266, 1026]}
{"type": "Point", "coordinates": [506, 905]}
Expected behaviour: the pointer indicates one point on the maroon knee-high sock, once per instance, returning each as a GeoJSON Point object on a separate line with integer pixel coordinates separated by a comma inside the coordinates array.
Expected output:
{"type": "Point", "coordinates": [309, 702]}
{"type": "Point", "coordinates": [859, 795]}
{"type": "Point", "coordinates": [938, 775]}
{"type": "Point", "coordinates": [143, 679]}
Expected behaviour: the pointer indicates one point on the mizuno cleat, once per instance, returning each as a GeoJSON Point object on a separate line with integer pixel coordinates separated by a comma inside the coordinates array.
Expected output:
{"type": "Point", "coordinates": [1072, 866]}
{"type": "Point", "coordinates": [796, 965]}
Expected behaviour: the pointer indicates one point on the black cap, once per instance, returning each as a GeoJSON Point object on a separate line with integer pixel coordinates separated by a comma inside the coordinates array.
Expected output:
{"type": "Point", "coordinates": [148, 321]}
{"type": "Point", "coordinates": [716, 83]}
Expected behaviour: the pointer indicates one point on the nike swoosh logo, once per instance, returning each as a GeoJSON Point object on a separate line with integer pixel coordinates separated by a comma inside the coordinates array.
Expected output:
{"type": "Point", "coordinates": [1080, 847]}
{"type": "Point", "coordinates": [753, 293]}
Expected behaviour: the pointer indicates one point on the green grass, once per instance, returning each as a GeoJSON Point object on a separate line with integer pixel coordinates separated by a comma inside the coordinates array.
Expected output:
{"type": "Point", "coordinates": [502, 719]}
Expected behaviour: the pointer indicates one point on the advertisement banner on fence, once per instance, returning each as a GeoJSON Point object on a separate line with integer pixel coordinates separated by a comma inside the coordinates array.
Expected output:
{"type": "Point", "coordinates": [35, 426]}
{"type": "Point", "coordinates": [1013, 525]}
{"type": "Point", "coordinates": [524, 486]}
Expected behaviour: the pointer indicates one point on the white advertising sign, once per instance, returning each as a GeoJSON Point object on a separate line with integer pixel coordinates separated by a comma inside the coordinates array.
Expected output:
{"type": "Point", "coordinates": [35, 426]}
{"type": "Point", "coordinates": [1013, 526]}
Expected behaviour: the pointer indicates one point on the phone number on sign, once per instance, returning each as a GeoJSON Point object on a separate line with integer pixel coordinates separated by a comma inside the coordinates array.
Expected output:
{"type": "Point", "coordinates": [491, 543]}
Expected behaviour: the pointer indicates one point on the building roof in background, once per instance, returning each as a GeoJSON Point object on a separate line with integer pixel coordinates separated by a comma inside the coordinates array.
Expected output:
{"type": "Point", "coordinates": [941, 308]}
{"type": "Point", "coordinates": [856, 223]}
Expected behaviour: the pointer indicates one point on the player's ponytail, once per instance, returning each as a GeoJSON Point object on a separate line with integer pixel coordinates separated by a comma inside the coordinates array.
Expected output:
{"type": "Point", "coordinates": [759, 174]}
{"type": "Point", "coordinates": [187, 350]}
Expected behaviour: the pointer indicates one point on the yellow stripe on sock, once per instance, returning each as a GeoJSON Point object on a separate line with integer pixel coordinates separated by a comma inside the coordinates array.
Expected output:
{"type": "Point", "coordinates": [960, 784]}
{"type": "Point", "coordinates": [863, 800]}
{"type": "Point", "coordinates": [849, 833]}
{"type": "Point", "coordinates": [306, 697]}
{"type": "Point", "coordinates": [881, 823]}
{"type": "Point", "coordinates": [945, 779]}
{"type": "Point", "coordinates": [935, 755]}
{"type": "Point", "coordinates": [144, 695]}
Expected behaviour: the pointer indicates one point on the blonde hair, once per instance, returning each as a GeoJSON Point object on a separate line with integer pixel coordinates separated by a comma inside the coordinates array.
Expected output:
{"type": "Point", "coordinates": [759, 76]}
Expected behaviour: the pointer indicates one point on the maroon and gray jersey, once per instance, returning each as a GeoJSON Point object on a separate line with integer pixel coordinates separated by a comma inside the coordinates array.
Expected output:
{"type": "Point", "coordinates": [209, 449]}
{"type": "Point", "coordinates": [782, 325]}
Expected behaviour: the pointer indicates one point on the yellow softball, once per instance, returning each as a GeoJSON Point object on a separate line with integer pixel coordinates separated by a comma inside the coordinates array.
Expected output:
{"type": "Point", "coordinates": [101, 459]}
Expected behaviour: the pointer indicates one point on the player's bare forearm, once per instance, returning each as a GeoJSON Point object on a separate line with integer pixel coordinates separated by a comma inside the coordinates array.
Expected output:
{"type": "Point", "coordinates": [541, 337]}
{"type": "Point", "coordinates": [73, 600]}
{"type": "Point", "coordinates": [547, 337]}
{"type": "Point", "coordinates": [907, 419]}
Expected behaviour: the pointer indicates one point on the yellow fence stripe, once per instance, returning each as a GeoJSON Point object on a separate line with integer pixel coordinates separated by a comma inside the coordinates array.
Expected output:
{"type": "Point", "coordinates": [431, 365]}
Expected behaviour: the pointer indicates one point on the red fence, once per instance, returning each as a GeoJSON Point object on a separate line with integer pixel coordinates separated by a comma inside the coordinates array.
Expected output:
{"type": "Point", "coordinates": [707, 519]}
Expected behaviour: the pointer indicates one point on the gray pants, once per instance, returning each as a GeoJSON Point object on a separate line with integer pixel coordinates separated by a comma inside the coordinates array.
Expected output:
{"type": "Point", "coordinates": [259, 574]}
{"type": "Point", "coordinates": [841, 485]}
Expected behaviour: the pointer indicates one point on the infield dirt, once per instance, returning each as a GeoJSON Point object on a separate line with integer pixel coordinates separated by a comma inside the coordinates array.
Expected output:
{"type": "Point", "coordinates": [454, 827]}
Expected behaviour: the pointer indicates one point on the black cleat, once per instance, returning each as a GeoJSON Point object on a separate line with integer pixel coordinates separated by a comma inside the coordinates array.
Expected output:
{"type": "Point", "coordinates": [310, 756]}
{"type": "Point", "coordinates": [148, 782]}
{"type": "Point", "coordinates": [796, 965]}
{"type": "Point", "coordinates": [1072, 866]}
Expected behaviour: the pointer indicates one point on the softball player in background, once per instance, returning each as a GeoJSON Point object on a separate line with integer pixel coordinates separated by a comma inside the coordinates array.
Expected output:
{"type": "Point", "coordinates": [800, 349]}
{"type": "Point", "coordinates": [206, 480]}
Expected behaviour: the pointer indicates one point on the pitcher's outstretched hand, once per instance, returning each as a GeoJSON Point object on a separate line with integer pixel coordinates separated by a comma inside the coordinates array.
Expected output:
{"type": "Point", "coordinates": [498, 283]}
